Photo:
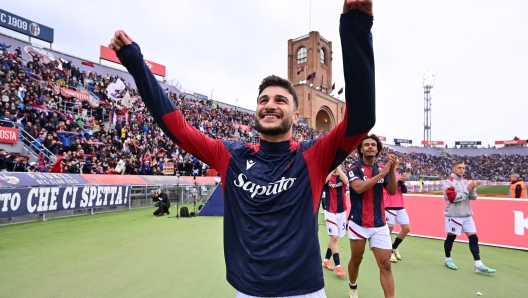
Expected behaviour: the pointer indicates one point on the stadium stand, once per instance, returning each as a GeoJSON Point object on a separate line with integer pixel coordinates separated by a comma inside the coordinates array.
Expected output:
{"type": "Point", "coordinates": [88, 118]}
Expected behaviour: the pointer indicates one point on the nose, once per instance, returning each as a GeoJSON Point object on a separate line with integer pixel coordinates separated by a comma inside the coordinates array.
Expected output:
{"type": "Point", "coordinates": [270, 105]}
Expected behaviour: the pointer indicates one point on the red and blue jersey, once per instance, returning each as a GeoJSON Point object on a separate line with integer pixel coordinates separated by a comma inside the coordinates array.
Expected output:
{"type": "Point", "coordinates": [368, 208]}
{"type": "Point", "coordinates": [272, 190]}
{"type": "Point", "coordinates": [335, 195]}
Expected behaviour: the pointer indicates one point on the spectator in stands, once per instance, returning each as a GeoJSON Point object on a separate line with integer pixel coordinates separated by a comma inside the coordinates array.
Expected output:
{"type": "Point", "coordinates": [20, 165]}
{"type": "Point", "coordinates": [124, 132]}
{"type": "Point", "coordinates": [7, 120]}
{"type": "Point", "coordinates": [32, 167]}
{"type": "Point", "coordinates": [30, 92]}
{"type": "Point", "coordinates": [3, 160]}
{"type": "Point", "coordinates": [5, 96]}
{"type": "Point", "coordinates": [29, 129]}
{"type": "Point", "coordinates": [38, 126]}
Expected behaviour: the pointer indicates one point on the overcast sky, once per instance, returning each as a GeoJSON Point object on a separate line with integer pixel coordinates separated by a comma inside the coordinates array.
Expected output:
{"type": "Point", "coordinates": [477, 47]}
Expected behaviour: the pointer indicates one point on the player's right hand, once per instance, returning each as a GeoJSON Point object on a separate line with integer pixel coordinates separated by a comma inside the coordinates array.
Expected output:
{"type": "Point", "coordinates": [472, 186]}
{"type": "Point", "coordinates": [386, 168]}
{"type": "Point", "coordinates": [120, 40]}
{"type": "Point", "coordinates": [393, 159]}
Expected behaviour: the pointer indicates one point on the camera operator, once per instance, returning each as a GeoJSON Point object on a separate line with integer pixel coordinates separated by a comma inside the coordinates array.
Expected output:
{"type": "Point", "coordinates": [163, 202]}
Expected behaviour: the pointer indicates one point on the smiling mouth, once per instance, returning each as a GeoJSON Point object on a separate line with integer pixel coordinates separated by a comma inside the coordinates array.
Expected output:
{"type": "Point", "coordinates": [270, 116]}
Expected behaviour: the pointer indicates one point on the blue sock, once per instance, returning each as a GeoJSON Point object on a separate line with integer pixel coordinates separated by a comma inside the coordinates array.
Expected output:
{"type": "Point", "coordinates": [448, 244]}
{"type": "Point", "coordinates": [474, 247]}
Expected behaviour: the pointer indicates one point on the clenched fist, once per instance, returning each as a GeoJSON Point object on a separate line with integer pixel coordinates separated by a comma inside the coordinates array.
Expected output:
{"type": "Point", "coordinates": [120, 40]}
{"type": "Point", "coordinates": [363, 5]}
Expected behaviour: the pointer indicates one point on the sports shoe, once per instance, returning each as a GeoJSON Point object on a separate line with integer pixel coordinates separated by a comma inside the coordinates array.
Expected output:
{"type": "Point", "coordinates": [340, 271]}
{"type": "Point", "coordinates": [397, 254]}
{"type": "Point", "coordinates": [353, 293]}
{"type": "Point", "coordinates": [451, 265]}
{"type": "Point", "coordinates": [328, 265]}
{"type": "Point", "coordinates": [484, 269]}
{"type": "Point", "coordinates": [393, 258]}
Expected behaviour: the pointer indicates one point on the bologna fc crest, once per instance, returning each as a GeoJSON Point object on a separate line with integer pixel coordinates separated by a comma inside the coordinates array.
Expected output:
{"type": "Point", "coordinates": [10, 179]}
{"type": "Point", "coordinates": [329, 230]}
{"type": "Point", "coordinates": [34, 28]}
{"type": "Point", "coordinates": [453, 229]}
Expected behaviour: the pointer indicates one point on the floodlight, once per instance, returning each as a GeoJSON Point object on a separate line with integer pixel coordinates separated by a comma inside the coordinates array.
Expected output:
{"type": "Point", "coordinates": [429, 79]}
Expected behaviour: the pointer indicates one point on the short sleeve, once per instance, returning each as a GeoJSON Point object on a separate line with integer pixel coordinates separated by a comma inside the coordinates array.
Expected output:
{"type": "Point", "coordinates": [354, 174]}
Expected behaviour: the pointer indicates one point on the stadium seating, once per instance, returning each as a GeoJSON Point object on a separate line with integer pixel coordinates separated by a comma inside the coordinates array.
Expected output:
{"type": "Point", "coordinates": [104, 133]}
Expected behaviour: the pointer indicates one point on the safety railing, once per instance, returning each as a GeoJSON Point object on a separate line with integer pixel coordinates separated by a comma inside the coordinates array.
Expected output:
{"type": "Point", "coordinates": [31, 144]}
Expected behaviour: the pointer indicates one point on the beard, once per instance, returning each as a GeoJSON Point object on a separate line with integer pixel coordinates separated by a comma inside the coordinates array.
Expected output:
{"type": "Point", "coordinates": [282, 128]}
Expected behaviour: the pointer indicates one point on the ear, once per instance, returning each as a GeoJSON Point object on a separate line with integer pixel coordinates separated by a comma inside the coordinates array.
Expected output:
{"type": "Point", "coordinates": [295, 117]}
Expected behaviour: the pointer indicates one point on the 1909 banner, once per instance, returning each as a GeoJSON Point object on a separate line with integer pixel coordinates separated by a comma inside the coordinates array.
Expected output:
{"type": "Point", "coordinates": [25, 26]}
{"type": "Point", "coordinates": [16, 202]}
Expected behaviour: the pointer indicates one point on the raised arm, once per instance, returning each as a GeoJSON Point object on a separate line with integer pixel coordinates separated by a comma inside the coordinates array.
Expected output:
{"type": "Point", "coordinates": [359, 185]}
{"type": "Point", "coordinates": [342, 175]}
{"type": "Point", "coordinates": [165, 113]}
{"type": "Point", "coordinates": [358, 65]}
{"type": "Point", "coordinates": [392, 186]}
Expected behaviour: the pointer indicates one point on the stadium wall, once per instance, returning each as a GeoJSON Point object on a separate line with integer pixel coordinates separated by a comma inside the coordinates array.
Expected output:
{"type": "Point", "coordinates": [500, 222]}
{"type": "Point", "coordinates": [26, 197]}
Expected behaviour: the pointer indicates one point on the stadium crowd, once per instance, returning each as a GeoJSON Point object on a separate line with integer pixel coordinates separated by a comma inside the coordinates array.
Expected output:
{"type": "Point", "coordinates": [112, 135]}
{"type": "Point", "coordinates": [485, 167]}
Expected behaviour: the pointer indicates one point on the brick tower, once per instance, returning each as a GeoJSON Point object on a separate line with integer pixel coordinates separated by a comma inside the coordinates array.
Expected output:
{"type": "Point", "coordinates": [310, 71]}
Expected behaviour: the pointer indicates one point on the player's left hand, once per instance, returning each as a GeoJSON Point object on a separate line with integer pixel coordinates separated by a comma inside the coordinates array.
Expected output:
{"type": "Point", "coordinates": [404, 177]}
{"type": "Point", "coordinates": [299, 138]}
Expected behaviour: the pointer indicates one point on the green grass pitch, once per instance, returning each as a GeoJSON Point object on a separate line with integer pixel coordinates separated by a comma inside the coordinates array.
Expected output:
{"type": "Point", "coordinates": [489, 189]}
{"type": "Point", "coordinates": [493, 189]}
{"type": "Point", "coordinates": [135, 254]}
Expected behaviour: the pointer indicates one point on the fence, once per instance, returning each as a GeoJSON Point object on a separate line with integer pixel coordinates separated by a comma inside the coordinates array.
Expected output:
{"type": "Point", "coordinates": [140, 197]}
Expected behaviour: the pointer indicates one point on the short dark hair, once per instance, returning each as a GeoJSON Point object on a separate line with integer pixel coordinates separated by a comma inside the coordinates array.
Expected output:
{"type": "Point", "coordinates": [456, 163]}
{"type": "Point", "coordinates": [379, 145]}
{"type": "Point", "coordinates": [276, 81]}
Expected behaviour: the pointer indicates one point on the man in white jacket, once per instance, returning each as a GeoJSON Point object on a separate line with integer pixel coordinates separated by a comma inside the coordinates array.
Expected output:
{"type": "Point", "coordinates": [457, 193]}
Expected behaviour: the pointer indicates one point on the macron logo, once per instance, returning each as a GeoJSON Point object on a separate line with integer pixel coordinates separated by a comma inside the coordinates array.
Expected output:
{"type": "Point", "coordinates": [249, 164]}
{"type": "Point", "coordinates": [521, 223]}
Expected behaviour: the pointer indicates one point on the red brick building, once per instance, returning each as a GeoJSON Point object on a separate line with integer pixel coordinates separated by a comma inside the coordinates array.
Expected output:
{"type": "Point", "coordinates": [310, 71]}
